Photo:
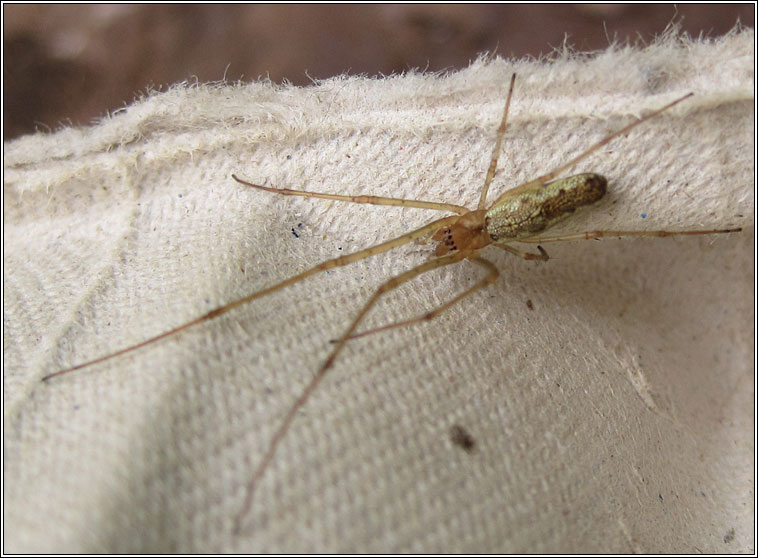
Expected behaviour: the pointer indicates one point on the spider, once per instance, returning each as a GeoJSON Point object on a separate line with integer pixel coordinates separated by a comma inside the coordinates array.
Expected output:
{"type": "Point", "coordinates": [520, 214]}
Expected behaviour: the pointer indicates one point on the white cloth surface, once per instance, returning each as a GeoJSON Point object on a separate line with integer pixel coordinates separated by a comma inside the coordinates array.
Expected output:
{"type": "Point", "coordinates": [609, 391]}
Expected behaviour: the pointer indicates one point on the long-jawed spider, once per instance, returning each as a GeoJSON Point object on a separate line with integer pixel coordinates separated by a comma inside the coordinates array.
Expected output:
{"type": "Point", "coordinates": [521, 214]}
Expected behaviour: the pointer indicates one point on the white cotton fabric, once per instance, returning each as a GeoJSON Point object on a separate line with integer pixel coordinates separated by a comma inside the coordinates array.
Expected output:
{"type": "Point", "coordinates": [609, 391]}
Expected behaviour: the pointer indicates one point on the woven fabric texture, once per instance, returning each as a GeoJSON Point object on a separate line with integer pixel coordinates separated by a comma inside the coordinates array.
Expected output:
{"type": "Point", "coordinates": [608, 393]}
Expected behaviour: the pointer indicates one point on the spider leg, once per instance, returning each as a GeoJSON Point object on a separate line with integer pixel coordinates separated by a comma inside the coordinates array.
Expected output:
{"type": "Point", "coordinates": [374, 200]}
{"type": "Point", "coordinates": [488, 280]}
{"type": "Point", "coordinates": [496, 151]}
{"type": "Point", "coordinates": [329, 264]}
{"type": "Point", "coordinates": [605, 234]}
{"type": "Point", "coordinates": [284, 427]}
{"type": "Point", "coordinates": [525, 255]}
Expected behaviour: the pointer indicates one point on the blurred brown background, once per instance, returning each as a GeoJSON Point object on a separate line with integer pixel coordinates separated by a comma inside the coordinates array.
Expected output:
{"type": "Point", "coordinates": [69, 64]}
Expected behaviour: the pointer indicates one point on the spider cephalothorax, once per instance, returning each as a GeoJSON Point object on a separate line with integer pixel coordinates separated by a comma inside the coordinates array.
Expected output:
{"type": "Point", "coordinates": [468, 233]}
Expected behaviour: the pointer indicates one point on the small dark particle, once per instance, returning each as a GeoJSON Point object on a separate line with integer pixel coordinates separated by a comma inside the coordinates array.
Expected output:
{"type": "Point", "coordinates": [643, 215]}
{"type": "Point", "coordinates": [529, 304]}
{"type": "Point", "coordinates": [299, 225]}
{"type": "Point", "coordinates": [729, 537]}
{"type": "Point", "coordinates": [461, 438]}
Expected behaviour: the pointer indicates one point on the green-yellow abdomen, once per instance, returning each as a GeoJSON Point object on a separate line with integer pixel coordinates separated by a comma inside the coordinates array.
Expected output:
{"type": "Point", "coordinates": [531, 208]}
